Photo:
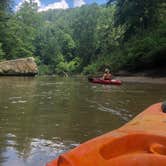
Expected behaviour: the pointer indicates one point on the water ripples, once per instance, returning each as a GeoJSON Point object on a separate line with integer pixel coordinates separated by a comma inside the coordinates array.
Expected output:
{"type": "Point", "coordinates": [123, 114]}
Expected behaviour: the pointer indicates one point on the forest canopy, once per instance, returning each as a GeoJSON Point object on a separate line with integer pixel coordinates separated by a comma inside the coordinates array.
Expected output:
{"type": "Point", "coordinates": [127, 35]}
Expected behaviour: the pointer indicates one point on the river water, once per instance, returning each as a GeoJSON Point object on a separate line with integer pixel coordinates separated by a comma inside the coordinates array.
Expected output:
{"type": "Point", "coordinates": [43, 117]}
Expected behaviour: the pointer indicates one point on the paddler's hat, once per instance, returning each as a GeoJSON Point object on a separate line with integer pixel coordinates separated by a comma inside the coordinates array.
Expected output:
{"type": "Point", "coordinates": [107, 70]}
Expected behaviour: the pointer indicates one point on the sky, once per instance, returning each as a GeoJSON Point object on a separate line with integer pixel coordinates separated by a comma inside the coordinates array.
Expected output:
{"type": "Point", "coordinates": [59, 4]}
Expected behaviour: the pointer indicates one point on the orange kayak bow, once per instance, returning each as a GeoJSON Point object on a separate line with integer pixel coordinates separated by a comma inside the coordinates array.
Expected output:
{"type": "Point", "coordinates": [140, 142]}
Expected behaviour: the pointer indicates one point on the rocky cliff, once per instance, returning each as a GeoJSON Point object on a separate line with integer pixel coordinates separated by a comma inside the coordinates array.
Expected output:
{"type": "Point", "coordinates": [19, 67]}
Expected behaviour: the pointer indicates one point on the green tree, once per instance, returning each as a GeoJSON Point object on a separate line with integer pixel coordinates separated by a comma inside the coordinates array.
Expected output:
{"type": "Point", "coordinates": [1, 52]}
{"type": "Point", "coordinates": [137, 15]}
{"type": "Point", "coordinates": [20, 32]}
{"type": "Point", "coordinates": [5, 13]}
{"type": "Point", "coordinates": [108, 37]}
{"type": "Point", "coordinates": [84, 25]}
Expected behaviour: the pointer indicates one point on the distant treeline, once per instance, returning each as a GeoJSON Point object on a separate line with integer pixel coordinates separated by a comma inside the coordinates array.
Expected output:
{"type": "Point", "coordinates": [127, 35]}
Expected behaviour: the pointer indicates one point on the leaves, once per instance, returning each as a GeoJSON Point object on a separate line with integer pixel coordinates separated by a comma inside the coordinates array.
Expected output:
{"type": "Point", "coordinates": [125, 34]}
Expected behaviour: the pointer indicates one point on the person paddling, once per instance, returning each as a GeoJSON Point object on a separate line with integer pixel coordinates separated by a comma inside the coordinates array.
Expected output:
{"type": "Point", "coordinates": [107, 75]}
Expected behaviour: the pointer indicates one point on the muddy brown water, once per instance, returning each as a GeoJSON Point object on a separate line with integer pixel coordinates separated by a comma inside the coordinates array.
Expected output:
{"type": "Point", "coordinates": [43, 117]}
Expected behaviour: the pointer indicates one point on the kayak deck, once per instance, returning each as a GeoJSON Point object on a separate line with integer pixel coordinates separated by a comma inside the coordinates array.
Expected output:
{"type": "Point", "coordinates": [140, 142]}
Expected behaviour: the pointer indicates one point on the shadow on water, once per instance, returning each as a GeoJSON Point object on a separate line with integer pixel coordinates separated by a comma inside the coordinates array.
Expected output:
{"type": "Point", "coordinates": [42, 117]}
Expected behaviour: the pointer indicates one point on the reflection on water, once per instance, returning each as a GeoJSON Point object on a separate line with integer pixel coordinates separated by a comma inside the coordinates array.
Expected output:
{"type": "Point", "coordinates": [37, 152]}
{"type": "Point", "coordinates": [42, 117]}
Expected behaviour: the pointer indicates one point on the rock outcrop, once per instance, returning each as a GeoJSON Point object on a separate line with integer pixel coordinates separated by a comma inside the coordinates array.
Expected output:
{"type": "Point", "coordinates": [19, 67]}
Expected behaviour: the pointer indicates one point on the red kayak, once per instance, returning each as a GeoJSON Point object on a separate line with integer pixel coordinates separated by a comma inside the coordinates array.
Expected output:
{"type": "Point", "coordinates": [140, 142]}
{"type": "Point", "coordinates": [107, 82]}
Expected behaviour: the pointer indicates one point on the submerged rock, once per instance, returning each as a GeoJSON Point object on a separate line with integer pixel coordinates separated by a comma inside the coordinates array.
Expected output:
{"type": "Point", "coordinates": [19, 67]}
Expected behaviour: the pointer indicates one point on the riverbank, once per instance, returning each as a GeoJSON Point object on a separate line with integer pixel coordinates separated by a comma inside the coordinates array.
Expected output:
{"type": "Point", "coordinates": [142, 79]}
{"type": "Point", "coordinates": [157, 76]}
{"type": "Point", "coordinates": [133, 78]}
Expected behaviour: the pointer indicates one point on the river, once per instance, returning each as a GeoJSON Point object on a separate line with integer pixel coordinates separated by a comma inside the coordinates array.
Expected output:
{"type": "Point", "coordinates": [42, 117]}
